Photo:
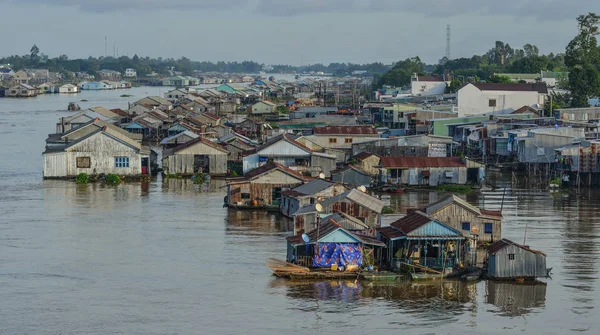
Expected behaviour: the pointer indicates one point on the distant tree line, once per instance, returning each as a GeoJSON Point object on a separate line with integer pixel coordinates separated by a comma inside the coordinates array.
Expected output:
{"type": "Point", "coordinates": [162, 66]}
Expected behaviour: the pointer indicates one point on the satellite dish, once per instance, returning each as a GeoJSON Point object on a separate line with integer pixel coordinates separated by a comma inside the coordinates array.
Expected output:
{"type": "Point", "coordinates": [322, 175]}
{"type": "Point", "coordinates": [319, 208]}
{"type": "Point", "coordinates": [305, 238]}
{"type": "Point", "coordinates": [362, 188]}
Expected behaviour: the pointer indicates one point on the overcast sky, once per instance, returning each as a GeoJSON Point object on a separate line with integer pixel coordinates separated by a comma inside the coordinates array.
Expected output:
{"type": "Point", "coordinates": [286, 31]}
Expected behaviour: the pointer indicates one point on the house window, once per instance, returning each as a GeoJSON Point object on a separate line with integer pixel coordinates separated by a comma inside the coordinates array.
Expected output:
{"type": "Point", "coordinates": [511, 257]}
{"type": "Point", "coordinates": [348, 140]}
{"type": "Point", "coordinates": [466, 226]}
{"type": "Point", "coordinates": [488, 227]}
{"type": "Point", "coordinates": [121, 162]}
{"type": "Point", "coordinates": [492, 103]}
{"type": "Point", "coordinates": [332, 140]}
{"type": "Point", "coordinates": [84, 162]}
{"type": "Point", "coordinates": [245, 195]}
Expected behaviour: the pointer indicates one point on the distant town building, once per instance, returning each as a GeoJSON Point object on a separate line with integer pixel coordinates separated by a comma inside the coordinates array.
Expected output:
{"type": "Point", "coordinates": [429, 85]}
{"type": "Point", "coordinates": [497, 98]}
{"type": "Point", "coordinates": [130, 73]}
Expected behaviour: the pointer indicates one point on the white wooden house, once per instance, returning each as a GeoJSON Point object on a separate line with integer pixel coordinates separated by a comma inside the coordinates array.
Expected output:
{"type": "Point", "coordinates": [102, 151]}
{"type": "Point", "coordinates": [68, 88]}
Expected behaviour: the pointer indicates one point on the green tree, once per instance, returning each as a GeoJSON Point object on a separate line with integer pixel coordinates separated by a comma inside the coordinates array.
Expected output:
{"type": "Point", "coordinates": [34, 52]}
{"type": "Point", "coordinates": [582, 58]}
{"type": "Point", "coordinates": [455, 84]}
{"type": "Point", "coordinates": [500, 79]}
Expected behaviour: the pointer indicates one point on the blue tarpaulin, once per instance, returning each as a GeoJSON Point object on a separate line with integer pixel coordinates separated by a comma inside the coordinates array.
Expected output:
{"type": "Point", "coordinates": [342, 254]}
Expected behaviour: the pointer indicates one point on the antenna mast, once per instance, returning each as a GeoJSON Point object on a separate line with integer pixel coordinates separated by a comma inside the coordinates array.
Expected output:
{"type": "Point", "coordinates": [448, 42]}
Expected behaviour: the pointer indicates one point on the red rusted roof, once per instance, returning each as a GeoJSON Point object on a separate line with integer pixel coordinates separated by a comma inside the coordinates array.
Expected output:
{"type": "Point", "coordinates": [503, 243]}
{"type": "Point", "coordinates": [411, 221]}
{"type": "Point", "coordinates": [390, 232]}
{"type": "Point", "coordinates": [346, 130]}
{"type": "Point", "coordinates": [491, 213]}
{"type": "Point", "coordinates": [120, 112]}
{"type": "Point", "coordinates": [421, 162]}
{"type": "Point", "coordinates": [271, 166]}
{"type": "Point", "coordinates": [211, 116]}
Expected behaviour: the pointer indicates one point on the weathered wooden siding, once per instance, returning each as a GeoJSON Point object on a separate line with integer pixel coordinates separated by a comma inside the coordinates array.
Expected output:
{"type": "Point", "coordinates": [524, 264]}
{"type": "Point", "coordinates": [323, 164]}
{"type": "Point", "coordinates": [184, 164]}
{"type": "Point", "coordinates": [437, 176]}
{"type": "Point", "coordinates": [102, 151]}
{"type": "Point", "coordinates": [454, 215]}
{"type": "Point", "coordinates": [262, 187]}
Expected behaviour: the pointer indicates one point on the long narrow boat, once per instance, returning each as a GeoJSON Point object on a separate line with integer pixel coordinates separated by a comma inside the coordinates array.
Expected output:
{"type": "Point", "coordinates": [379, 276]}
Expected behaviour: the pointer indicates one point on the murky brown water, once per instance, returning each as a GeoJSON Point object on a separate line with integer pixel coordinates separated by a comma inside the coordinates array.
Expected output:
{"type": "Point", "coordinates": [167, 258]}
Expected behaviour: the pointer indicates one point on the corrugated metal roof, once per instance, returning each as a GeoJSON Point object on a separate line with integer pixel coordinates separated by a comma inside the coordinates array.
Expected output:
{"type": "Point", "coordinates": [358, 197]}
{"type": "Point", "coordinates": [418, 224]}
{"type": "Point", "coordinates": [503, 243]}
{"type": "Point", "coordinates": [166, 140]}
{"type": "Point", "coordinates": [272, 166]}
{"type": "Point", "coordinates": [312, 187]}
{"type": "Point", "coordinates": [346, 130]}
{"type": "Point", "coordinates": [421, 162]}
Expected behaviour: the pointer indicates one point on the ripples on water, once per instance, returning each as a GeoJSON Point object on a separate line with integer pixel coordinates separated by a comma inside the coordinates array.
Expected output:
{"type": "Point", "coordinates": [167, 258]}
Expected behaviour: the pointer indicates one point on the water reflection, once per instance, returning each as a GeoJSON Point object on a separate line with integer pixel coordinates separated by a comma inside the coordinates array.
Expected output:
{"type": "Point", "coordinates": [426, 302]}
{"type": "Point", "coordinates": [515, 299]}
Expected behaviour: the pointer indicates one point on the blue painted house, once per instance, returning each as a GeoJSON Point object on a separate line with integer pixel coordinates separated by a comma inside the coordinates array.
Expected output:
{"type": "Point", "coordinates": [420, 239]}
{"type": "Point", "coordinates": [331, 244]}
{"type": "Point", "coordinates": [95, 85]}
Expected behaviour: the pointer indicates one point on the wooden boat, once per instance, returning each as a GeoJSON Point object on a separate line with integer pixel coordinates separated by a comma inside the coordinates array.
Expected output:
{"type": "Point", "coordinates": [379, 276]}
{"type": "Point", "coordinates": [320, 275]}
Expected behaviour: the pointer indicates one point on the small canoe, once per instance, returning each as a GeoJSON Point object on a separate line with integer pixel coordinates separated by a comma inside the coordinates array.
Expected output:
{"type": "Point", "coordinates": [380, 276]}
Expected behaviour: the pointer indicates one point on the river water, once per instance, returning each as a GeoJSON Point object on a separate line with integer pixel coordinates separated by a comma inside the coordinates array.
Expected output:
{"type": "Point", "coordinates": [167, 258]}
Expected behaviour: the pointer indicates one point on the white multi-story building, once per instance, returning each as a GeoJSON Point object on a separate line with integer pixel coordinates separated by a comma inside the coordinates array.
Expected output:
{"type": "Point", "coordinates": [130, 73]}
{"type": "Point", "coordinates": [429, 85]}
{"type": "Point", "coordinates": [496, 98]}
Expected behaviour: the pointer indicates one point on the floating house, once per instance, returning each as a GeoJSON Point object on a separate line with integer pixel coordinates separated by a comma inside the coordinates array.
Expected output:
{"type": "Point", "coordinates": [430, 171]}
{"type": "Point", "coordinates": [68, 88]}
{"type": "Point", "coordinates": [421, 239]}
{"type": "Point", "coordinates": [20, 91]}
{"type": "Point", "coordinates": [331, 244]}
{"type": "Point", "coordinates": [102, 151]}
{"type": "Point", "coordinates": [284, 150]}
{"type": "Point", "coordinates": [197, 155]}
{"type": "Point", "coordinates": [353, 202]}
{"type": "Point", "coordinates": [95, 86]}
{"type": "Point", "coordinates": [309, 193]}
{"type": "Point", "coordinates": [262, 187]}
{"type": "Point", "coordinates": [509, 260]}
{"type": "Point", "coordinates": [485, 225]}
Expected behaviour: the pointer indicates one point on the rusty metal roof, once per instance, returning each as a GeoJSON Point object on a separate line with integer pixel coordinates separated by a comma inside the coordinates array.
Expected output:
{"type": "Point", "coordinates": [345, 130]}
{"type": "Point", "coordinates": [503, 243]}
{"type": "Point", "coordinates": [421, 162]}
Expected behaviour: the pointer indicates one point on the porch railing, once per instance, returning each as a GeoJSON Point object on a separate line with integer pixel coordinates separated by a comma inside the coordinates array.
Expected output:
{"type": "Point", "coordinates": [304, 261]}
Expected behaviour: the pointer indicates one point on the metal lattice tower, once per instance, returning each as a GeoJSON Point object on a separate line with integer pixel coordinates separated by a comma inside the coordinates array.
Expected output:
{"type": "Point", "coordinates": [448, 42]}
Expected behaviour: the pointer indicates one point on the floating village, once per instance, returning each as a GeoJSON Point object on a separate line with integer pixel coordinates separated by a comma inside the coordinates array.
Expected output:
{"type": "Point", "coordinates": [329, 167]}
